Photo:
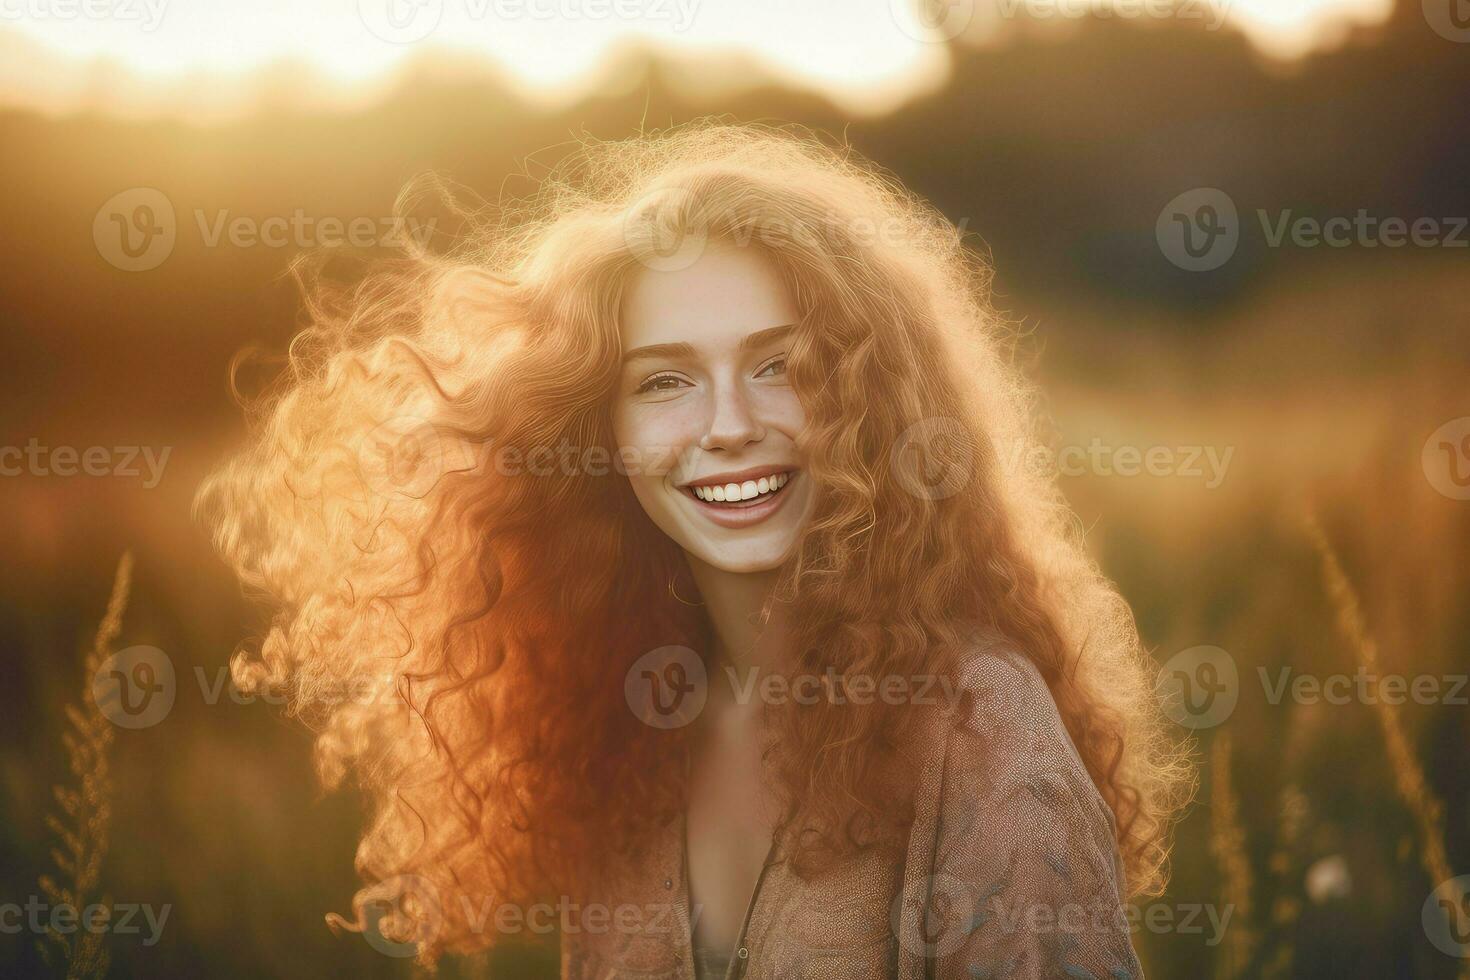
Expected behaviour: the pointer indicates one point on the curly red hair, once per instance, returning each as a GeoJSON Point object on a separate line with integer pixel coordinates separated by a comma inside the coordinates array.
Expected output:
{"type": "Point", "coordinates": [457, 621]}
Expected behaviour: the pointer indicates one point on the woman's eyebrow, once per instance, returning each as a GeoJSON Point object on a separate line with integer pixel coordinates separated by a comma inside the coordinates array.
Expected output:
{"type": "Point", "coordinates": [759, 338]}
{"type": "Point", "coordinates": [767, 336]}
{"type": "Point", "coordinates": [671, 351]}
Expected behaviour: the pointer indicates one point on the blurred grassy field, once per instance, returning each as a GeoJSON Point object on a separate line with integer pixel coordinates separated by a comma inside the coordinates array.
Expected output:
{"type": "Point", "coordinates": [1324, 387]}
{"type": "Point", "coordinates": [1315, 376]}
{"type": "Point", "coordinates": [1328, 387]}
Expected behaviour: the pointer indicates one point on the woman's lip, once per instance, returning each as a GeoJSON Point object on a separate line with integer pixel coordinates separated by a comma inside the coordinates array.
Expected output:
{"type": "Point", "coordinates": [739, 517]}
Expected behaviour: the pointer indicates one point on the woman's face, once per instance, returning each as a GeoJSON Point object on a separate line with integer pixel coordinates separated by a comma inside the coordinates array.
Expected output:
{"type": "Point", "coordinates": [704, 414]}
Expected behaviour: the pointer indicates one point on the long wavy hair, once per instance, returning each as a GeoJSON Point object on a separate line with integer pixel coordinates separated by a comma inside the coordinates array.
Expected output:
{"type": "Point", "coordinates": [460, 583]}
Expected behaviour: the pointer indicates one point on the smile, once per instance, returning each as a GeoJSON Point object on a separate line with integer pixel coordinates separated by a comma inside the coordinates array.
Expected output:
{"type": "Point", "coordinates": [741, 502]}
{"type": "Point", "coordinates": [730, 493]}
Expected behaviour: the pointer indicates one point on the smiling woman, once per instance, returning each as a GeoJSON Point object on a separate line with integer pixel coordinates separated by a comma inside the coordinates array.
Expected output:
{"type": "Point", "coordinates": [721, 401]}
{"type": "Point", "coordinates": [811, 425]}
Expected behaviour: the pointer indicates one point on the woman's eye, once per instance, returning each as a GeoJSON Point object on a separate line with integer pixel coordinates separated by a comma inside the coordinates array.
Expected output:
{"type": "Point", "coordinates": [660, 382]}
{"type": "Point", "coordinates": [776, 367]}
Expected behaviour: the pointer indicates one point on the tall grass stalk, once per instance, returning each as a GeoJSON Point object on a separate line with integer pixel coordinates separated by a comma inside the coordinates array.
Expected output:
{"type": "Point", "coordinates": [1287, 908]}
{"type": "Point", "coordinates": [86, 813]}
{"type": "Point", "coordinates": [1227, 844]}
{"type": "Point", "coordinates": [1409, 780]}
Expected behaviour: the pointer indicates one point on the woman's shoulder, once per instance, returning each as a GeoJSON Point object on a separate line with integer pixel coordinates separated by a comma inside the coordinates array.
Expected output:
{"type": "Point", "coordinates": [1006, 741]}
{"type": "Point", "coordinates": [1021, 837]}
{"type": "Point", "coordinates": [1001, 688]}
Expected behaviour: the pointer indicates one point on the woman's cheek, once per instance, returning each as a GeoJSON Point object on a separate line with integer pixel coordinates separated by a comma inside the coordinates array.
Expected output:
{"type": "Point", "coordinates": [656, 435]}
{"type": "Point", "coordinates": [782, 407]}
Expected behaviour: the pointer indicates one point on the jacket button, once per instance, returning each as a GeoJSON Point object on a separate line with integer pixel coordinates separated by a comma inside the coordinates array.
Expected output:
{"type": "Point", "coordinates": [743, 953]}
{"type": "Point", "coordinates": [668, 883]}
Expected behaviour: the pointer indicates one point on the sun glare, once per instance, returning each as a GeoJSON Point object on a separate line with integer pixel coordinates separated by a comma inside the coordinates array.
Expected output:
{"type": "Point", "coordinates": [201, 58]}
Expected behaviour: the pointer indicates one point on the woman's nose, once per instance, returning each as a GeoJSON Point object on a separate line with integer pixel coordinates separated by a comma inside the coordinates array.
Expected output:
{"type": "Point", "coordinates": [732, 422]}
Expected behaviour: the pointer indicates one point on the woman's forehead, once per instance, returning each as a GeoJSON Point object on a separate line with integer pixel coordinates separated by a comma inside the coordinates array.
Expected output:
{"type": "Point", "coordinates": [725, 294]}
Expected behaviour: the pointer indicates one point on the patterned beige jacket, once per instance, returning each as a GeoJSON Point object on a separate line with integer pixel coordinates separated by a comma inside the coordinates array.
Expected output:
{"type": "Point", "coordinates": [1011, 871]}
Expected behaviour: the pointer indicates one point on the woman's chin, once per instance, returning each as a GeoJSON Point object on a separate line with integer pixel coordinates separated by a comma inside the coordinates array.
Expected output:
{"type": "Point", "coordinates": [742, 559]}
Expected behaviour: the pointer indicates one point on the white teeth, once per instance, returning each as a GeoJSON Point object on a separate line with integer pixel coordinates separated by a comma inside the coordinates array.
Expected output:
{"type": "Point", "coordinates": [730, 492]}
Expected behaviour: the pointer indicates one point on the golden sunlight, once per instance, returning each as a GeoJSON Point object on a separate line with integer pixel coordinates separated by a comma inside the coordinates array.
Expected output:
{"type": "Point", "coordinates": [208, 58]}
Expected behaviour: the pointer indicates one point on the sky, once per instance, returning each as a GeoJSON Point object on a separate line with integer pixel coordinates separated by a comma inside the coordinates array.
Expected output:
{"type": "Point", "coordinates": [210, 58]}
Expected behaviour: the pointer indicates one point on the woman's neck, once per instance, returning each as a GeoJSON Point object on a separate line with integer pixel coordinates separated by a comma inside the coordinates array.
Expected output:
{"type": "Point", "coordinates": [749, 627]}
